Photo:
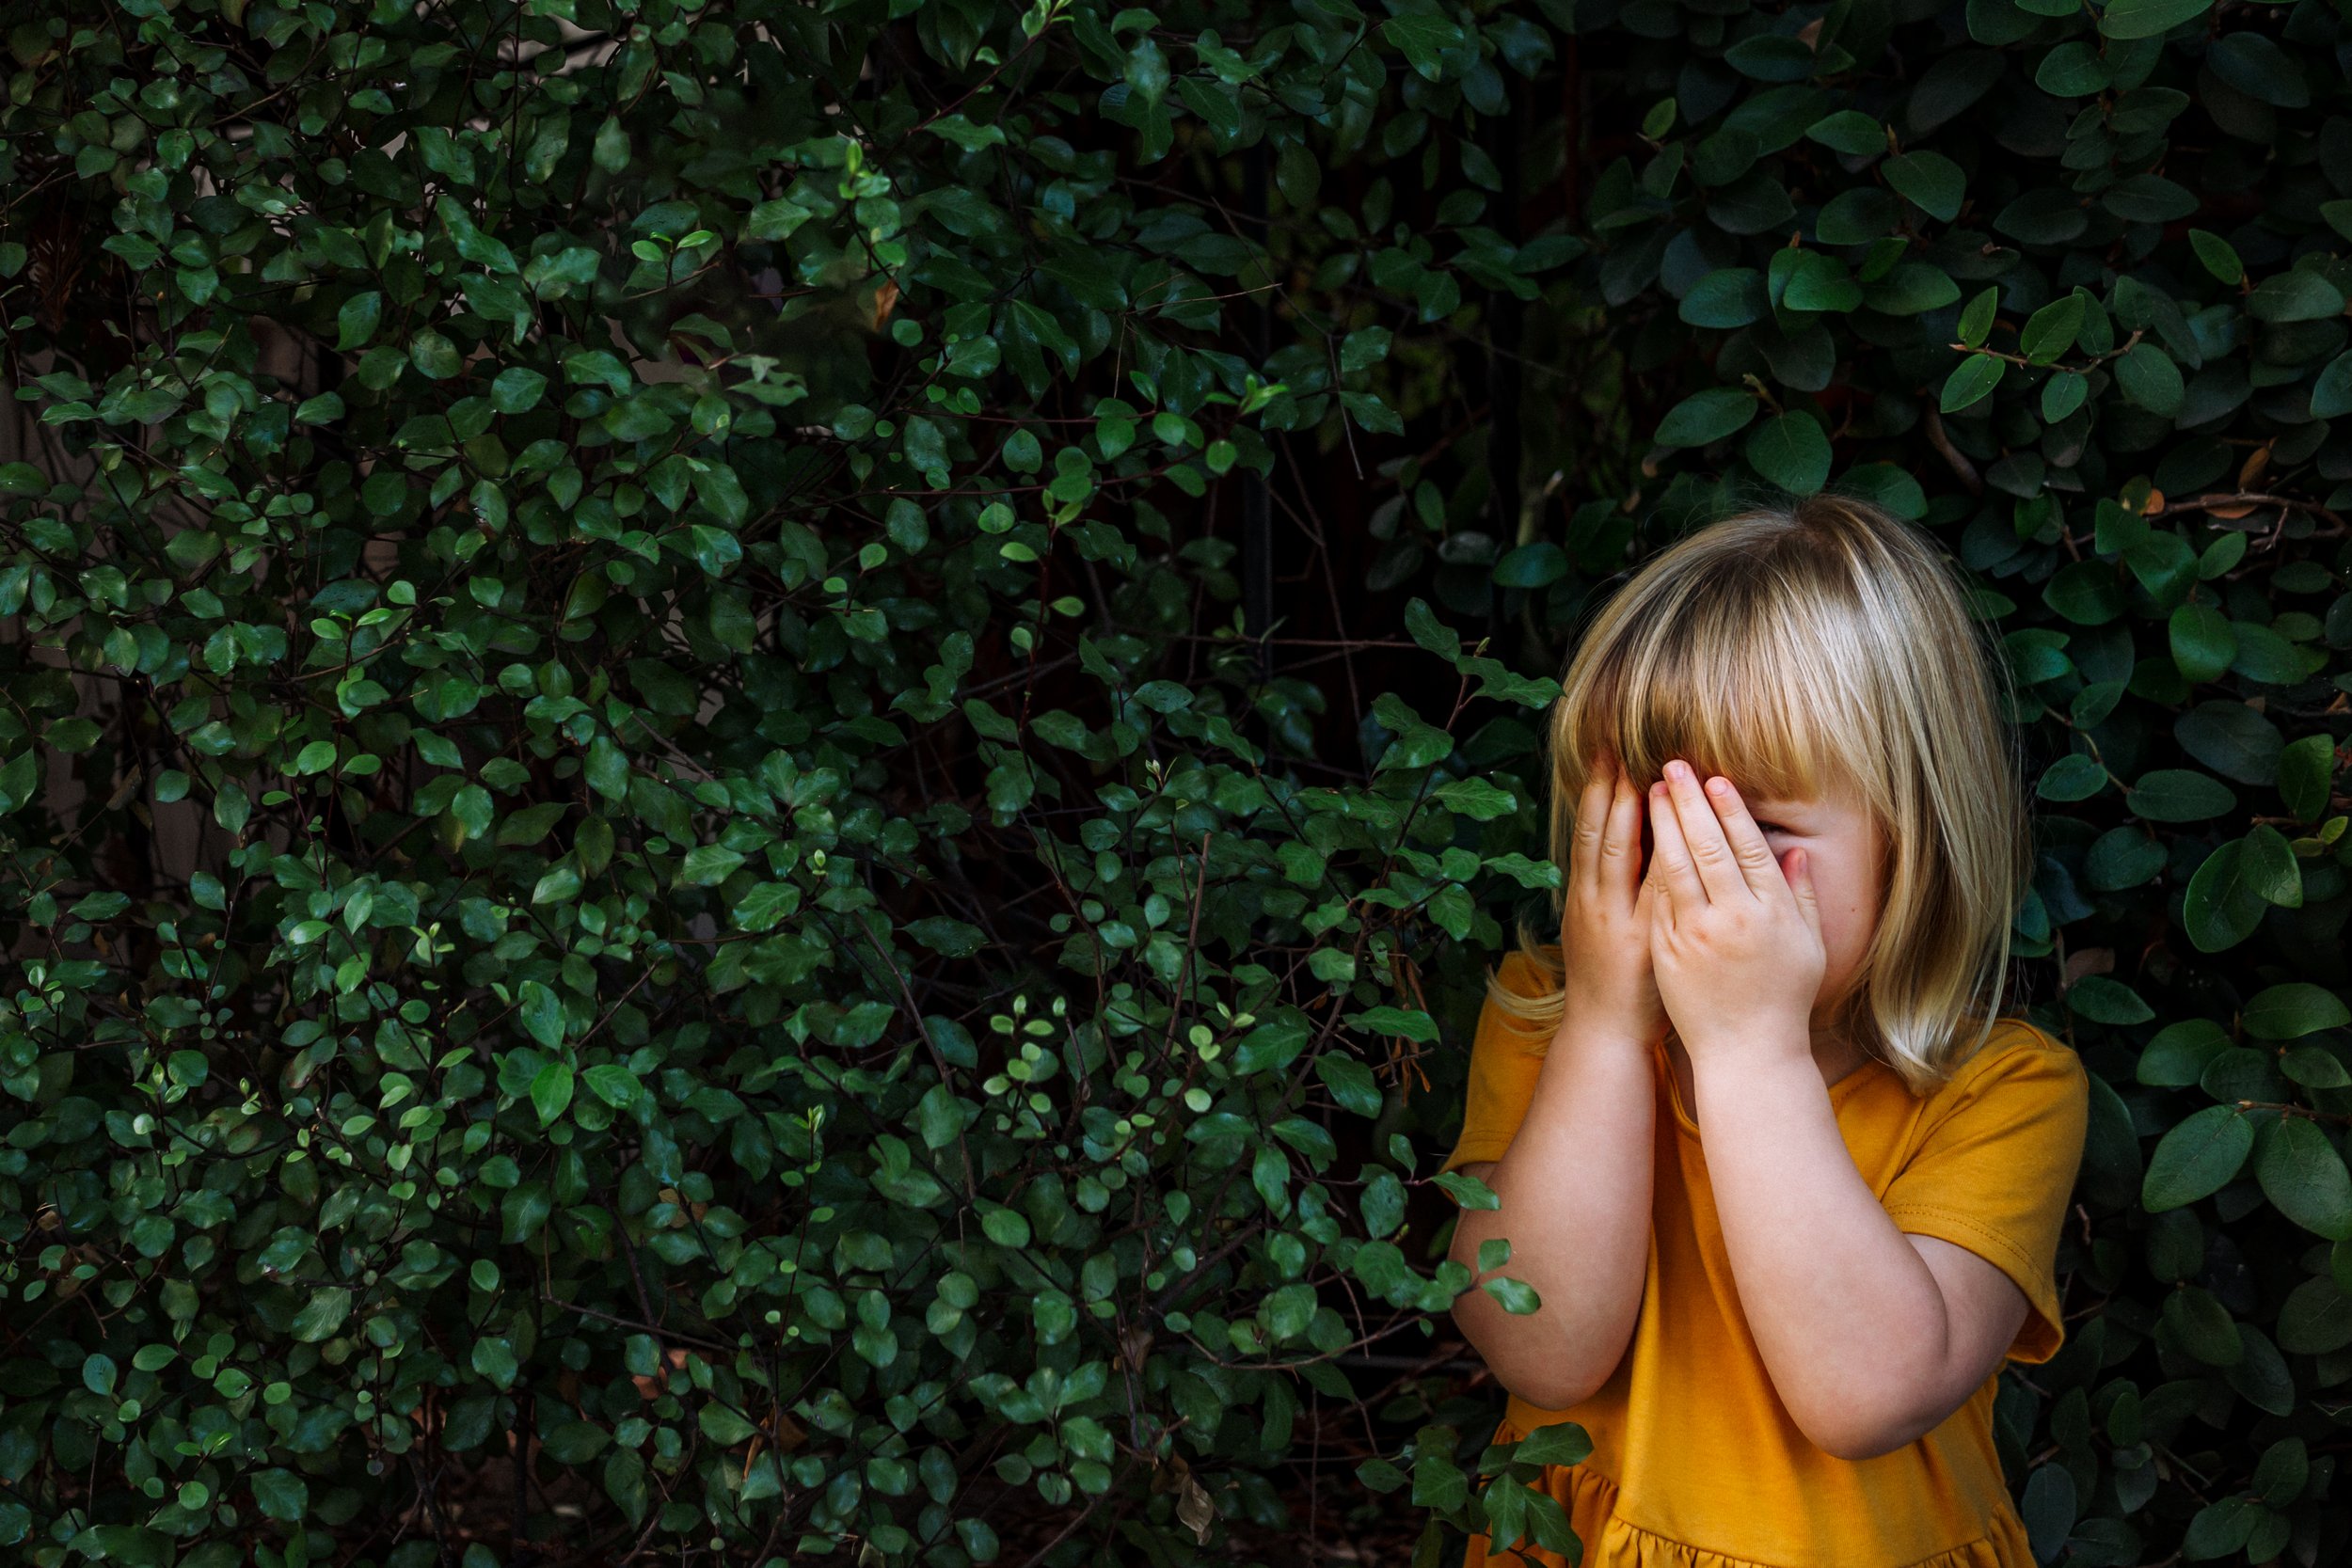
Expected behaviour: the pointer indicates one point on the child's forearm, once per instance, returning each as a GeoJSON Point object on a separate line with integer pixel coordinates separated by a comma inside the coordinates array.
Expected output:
{"type": "Point", "coordinates": [1847, 1318]}
{"type": "Point", "coordinates": [1575, 1192]}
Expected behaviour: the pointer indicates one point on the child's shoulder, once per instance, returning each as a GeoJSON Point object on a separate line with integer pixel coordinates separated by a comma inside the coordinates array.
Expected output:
{"type": "Point", "coordinates": [2015, 1049]}
{"type": "Point", "coordinates": [1522, 975]}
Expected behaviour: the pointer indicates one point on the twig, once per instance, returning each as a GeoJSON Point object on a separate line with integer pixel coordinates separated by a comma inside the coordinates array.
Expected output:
{"type": "Point", "coordinates": [655, 1329]}
{"type": "Point", "coordinates": [2251, 500]}
{"type": "Point", "coordinates": [1952, 455]}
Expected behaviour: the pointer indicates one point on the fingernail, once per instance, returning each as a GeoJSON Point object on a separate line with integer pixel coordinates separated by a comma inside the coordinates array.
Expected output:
{"type": "Point", "coordinates": [1719, 787]}
{"type": "Point", "coordinates": [1677, 770]}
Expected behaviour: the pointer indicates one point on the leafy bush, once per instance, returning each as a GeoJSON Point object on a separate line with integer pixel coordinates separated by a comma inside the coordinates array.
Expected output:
{"type": "Point", "coordinates": [661, 852]}
{"type": "Point", "coordinates": [634, 896]}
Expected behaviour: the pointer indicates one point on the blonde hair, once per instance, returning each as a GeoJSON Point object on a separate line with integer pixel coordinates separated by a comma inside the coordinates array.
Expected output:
{"type": "Point", "coordinates": [1820, 650]}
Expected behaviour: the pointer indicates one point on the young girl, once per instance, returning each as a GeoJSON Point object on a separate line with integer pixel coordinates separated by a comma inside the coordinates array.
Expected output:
{"type": "Point", "coordinates": [1787, 1183]}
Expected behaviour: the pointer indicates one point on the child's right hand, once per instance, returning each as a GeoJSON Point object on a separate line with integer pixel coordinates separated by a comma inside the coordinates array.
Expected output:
{"type": "Point", "coordinates": [1604, 926]}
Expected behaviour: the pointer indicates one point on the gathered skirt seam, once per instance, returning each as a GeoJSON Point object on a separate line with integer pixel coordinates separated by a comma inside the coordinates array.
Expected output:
{"type": "Point", "coordinates": [1617, 1517]}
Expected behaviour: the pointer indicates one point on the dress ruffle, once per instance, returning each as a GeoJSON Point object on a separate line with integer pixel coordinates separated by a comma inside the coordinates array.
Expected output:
{"type": "Point", "coordinates": [1590, 1501]}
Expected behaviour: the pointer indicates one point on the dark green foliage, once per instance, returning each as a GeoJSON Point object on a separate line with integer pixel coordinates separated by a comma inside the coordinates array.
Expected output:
{"type": "Point", "coordinates": [759, 931]}
{"type": "Point", "coordinates": [681, 903]}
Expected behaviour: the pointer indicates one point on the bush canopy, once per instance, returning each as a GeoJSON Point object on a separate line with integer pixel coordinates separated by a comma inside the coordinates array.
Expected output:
{"type": "Point", "coordinates": [759, 759]}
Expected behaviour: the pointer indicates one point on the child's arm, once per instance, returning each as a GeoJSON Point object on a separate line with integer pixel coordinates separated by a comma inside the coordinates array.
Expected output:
{"type": "Point", "coordinates": [1869, 1339]}
{"type": "Point", "coordinates": [1575, 1190]}
{"type": "Point", "coordinates": [1873, 1337]}
{"type": "Point", "coordinates": [1575, 1181]}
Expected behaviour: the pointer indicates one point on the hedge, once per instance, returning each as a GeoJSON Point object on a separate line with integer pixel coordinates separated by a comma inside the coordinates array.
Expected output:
{"type": "Point", "coordinates": [759, 759]}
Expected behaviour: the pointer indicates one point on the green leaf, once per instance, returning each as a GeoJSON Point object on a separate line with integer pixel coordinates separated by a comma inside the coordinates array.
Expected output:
{"type": "Point", "coordinates": [1704, 418]}
{"type": "Point", "coordinates": [2304, 1178]}
{"type": "Point", "coordinates": [2048, 1509]}
{"type": "Point", "coordinates": [2179, 1053]}
{"type": "Point", "coordinates": [542, 1014]}
{"type": "Point", "coordinates": [1975, 322]}
{"type": "Point", "coordinates": [1536, 565]}
{"type": "Point", "coordinates": [1382, 1204]}
{"type": "Point", "coordinates": [2300, 295]}
{"type": "Point", "coordinates": [2332, 394]}
{"type": "Point", "coordinates": [2072, 777]}
{"type": "Point", "coordinates": [575, 1442]}
{"type": "Point", "coordinates": [1849, 132]}
{"type": "Point", "coordinates": [2268, 861]}
{"type": "Point", "coordinates": [2293, 1010]}
{"type": "Point", "coordinates": [552, 1091]}
{"type": "Point", "coordinates": [1971, 381]}
{"type": "Point", "coordinates": [356, 320]}
{"type": "Point", "coordinates": [724, 1425]}
{"type": "Point", "coordinates": [1911, 289]}
{"type": "Point", "coordinates": [1724, 299]}
{"type": "Point", "coordinates": [1468, 1191]}
{"type": "Point", "coordinates": [322, 1313]}
{"type": "Point", "coordinates": [2179, 794]}
{"type": "Point", "coordinates": [2072, 69]}
{"type": "Point", "coordinates": [1351, 1083]}
{"type": "Point", "coordinates": [612, 1084]}
{"type": "Point", "coordinates": [2221, 907]}
{"type": "Point", "coordinates": [517, 390]}
{"type": "Point", "coordinates": [2084, 592]}
{"type": "Point", "coordinates": [1792, 452]}
{"type": "Point", "coordinates": [2306, 772]}
{"type": "Point", "coordinates": [1517, 1296]}
{"type": "Point", "coordinates": [2220, 1529]}
{"type": "Point", "coordinates": [2315, 1318]}
{"type": "Point", "coordinates": [2062, 394]}
{"type": "Point", "coordinates": [2203, 643]}
{"type": "Point", "coordinates": [2143, 19]}
{"type": "Point", "coordinates": [2217, 256]}
{"type": "Point", "coordinates": [1422, 39]}
{"type": "Point", "coordinates": [280, 1494]}
{"type": "Point", "coordinates": [1928, 179]}
{"type": "Point", "coordinates": [2104, 1000]}
{"type": "Point", "coordinates": [2204, 1327]}
{"type": "Point", "coordinates": [1557, 1443]}
{"type": "Point", "coordinates": [1889, 487]}
{"type": "Point", "coordinates": [2196, 1158]}
{"type": "Point", "coordinates": [2051, 331]}
{"type": "Point", "coordinates": [2148, 378]}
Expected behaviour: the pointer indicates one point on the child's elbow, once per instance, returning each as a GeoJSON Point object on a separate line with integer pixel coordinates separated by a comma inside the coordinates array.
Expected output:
{"type": "Point", "coordinates": [1547, 1393]}
{"type": "Point", "coordinates": [1546, 1378]}
{"type": "Point", "coordinates": [1854, 1437]}
{"type": "Point", "coordinates": [1852, 1447]}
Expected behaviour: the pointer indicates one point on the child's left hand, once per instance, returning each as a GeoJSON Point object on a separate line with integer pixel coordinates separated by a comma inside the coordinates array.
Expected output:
{"type": "Point", "coordinates": [1735, 943]}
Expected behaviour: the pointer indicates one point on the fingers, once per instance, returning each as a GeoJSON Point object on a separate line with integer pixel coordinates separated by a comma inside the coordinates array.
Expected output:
{"type": "Point", "coordinates": [1670, 854]}
{"type": "Point", "coordinates": [1758, 863]}
{"type": "Point", "coordinates": [1591, 823]}
{"type": "Point", "coordinates": [1801, 884]}
{"type": "Point", "coordinates": [1707, 850]}
{"type": "Point", "coordinates": [1624, 842]}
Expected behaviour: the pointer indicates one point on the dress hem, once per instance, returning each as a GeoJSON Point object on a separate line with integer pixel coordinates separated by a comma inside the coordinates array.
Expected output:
{"type": "Point", "coordinates": [1623, 1543]}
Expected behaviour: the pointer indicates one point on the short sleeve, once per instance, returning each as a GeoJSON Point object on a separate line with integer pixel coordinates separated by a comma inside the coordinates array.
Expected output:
{"type": "Point", "coordinates": [1503, 1074]}
{"type": "Point", "coordinates": [1995, 1169]}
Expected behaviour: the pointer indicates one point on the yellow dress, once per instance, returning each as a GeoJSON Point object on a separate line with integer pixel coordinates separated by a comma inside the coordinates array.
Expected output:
{"type": "Point", "coordinates": [1695, 1462]}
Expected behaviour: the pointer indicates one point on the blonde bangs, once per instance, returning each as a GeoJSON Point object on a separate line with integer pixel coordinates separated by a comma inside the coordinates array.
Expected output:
{"type": "Point", "coordinates": [1822, 651]}
{"type": "Point", "coordinates": [1660, 691]}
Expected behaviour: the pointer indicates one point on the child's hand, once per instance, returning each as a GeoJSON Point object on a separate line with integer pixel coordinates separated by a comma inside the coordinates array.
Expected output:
{"type": "Point", "coordinates": [1604, 927]}
{"type": "Point", "coordinates": [1736, 944]}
